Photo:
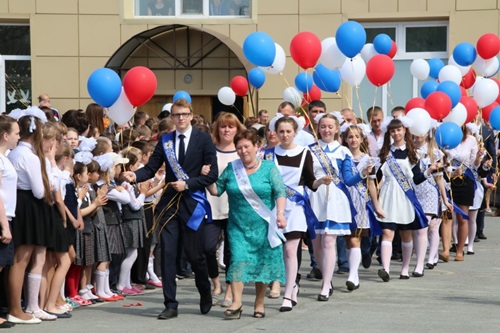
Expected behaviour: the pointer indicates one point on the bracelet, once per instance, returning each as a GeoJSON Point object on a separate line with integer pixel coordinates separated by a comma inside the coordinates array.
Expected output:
{"type": "Point", "coordinates": [280, 211]}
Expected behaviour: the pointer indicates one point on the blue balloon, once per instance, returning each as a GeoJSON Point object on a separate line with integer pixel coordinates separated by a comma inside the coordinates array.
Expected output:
{"type": "Point", "coordinates": [382, 43]}
{"type": "Point", "coordinates": [435, 65]}
{"type": "Point", "coordinates": [259, 49]}
{"type": "Point", "coordinates": [448, 135]}
{"type": "Point", "coordinates": [464, 54]}
{"type": "Point", "coordinates": [182, 94]}
{"type": "Point", "coordinates": [350, 38]}
{"type": "Point", "coordinates": [327, 79]}
{"type": "Point", "coordinates": [452, 90]}
{"type": "Point", "coordinates": [495, 118]}
{"type": "Point", "coordinates": [304, 82]}
{"type": "Point", "coordinates": [428, 88]}
{"type": "Point", "coordinates": [256, 77]}
{"type": "Point", "coordinates": [104, 86]}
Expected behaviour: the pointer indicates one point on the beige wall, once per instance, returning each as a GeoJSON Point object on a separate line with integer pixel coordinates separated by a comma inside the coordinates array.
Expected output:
{"type": "Point", "coordinates": [71, 38]}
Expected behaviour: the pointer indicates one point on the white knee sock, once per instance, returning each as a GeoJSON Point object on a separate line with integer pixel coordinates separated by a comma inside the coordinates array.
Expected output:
{"type": "Point", "coordinates": [151, 270]}
{"type": "Point", "coordinates": [107, 290]}
{"type": "Point", "coordinates": [100, 282]}
{"type": "Point", "coordinates": [329, 257]}
{"type": "Point", "coordinates": [433, 240]}
{"type": "Point", "coordinates": [385, 254]}
{"type": "Point", "coordinates": [472, 229]}
{"type": "Point", "coordinates": [354, 261]}
{"type": "Point", "coordinates": [33, 291]}
{"type": "Point", "coordinates": [291, 268]}
{"type": "Point", "coordinates": [407, 249]}
{"type": "Point", "coordinates": [421, 249]}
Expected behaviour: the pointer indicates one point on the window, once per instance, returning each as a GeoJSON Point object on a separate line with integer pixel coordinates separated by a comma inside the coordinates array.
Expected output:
{"type": "Point", "coordinates": [193, 8]}
{"type": "Point", "coordinates": [415, 40]}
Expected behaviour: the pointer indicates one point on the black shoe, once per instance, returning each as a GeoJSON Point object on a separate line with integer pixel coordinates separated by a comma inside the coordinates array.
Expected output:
{"type": "Point", "coordinates": [288, 308]}
{"type": "Point", "coordinates": [429, 265]}
{"type": "Point", "coordinates": [366, 260]}
{"type": "Point", "coordinates": [481, 236]}
{"type": "Point", "coordinates": [64, 315]}
{"type": "Point", "coordinates": [323, 298]}
{"type": "Point", "coordinates": [351, 286]}
{"type": "Point", "coordinates": [6, 324]}
{"type": "Point", "coordinates": [453, 248]}
{"type": "Point", "coordinates": [383, 275]}
{"type": "Point", "coordinates": [417, 274]}
{"type": "Point", "coordinates": [404, 277]}
{"type": "Point", "coordinates": [168, 313]}
{"type": "Point", "coordinates": [315, 274]}
{"type": "Point", "coordinates": [470, 253]}
{"type": "Point", "coordinates": [205, 302]}
{"type": "Point", "coordinates": [330, 291]}
{"type": "Point", "coordinates": [396, 256]}
{"type": "Point", "coordinates": [476, 239]}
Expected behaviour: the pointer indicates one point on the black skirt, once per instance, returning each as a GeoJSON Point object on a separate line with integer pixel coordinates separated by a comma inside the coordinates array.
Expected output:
{"type": "Point", "coordinates": [59, 232]}
{"type": "Point", "coordinates": [32, 224]}
{"type": "Point", "coordinates": [462, 191]}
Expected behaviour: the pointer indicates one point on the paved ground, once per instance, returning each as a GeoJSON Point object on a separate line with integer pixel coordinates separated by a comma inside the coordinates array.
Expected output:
{"type": "Point", "coordinates": [454, 297]}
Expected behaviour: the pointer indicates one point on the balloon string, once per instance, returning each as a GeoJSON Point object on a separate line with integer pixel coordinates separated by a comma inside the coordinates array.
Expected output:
{"type": "Point", "coordinates": [359, 103]}
{"type": "Point", "coordinates": [389, 94]}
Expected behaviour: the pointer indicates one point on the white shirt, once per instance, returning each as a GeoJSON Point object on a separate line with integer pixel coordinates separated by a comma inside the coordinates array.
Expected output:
{"type": "Point", "coordinates": [135, 202]}
{"type": "Point", "coordinates": [187, 135]}
{"type": "Point", "coordinates": [303, 139]}
{"type": "Point", "coordinates": [9, 182]}
{"type": "Point", "coordinates": [28, 168]}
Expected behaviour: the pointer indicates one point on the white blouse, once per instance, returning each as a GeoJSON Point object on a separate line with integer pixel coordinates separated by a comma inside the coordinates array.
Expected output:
{"type": "Point", "coordinates": [28, 168]}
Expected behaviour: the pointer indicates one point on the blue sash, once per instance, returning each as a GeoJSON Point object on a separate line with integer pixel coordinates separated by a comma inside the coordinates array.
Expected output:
{"type": "Point", "coordinates": [326, 164]}
{"type": "Point", "coordinates": [468, 171]}
{"type": "Point", "coordinates": [299, 198]}
{"type": "Point", "coordinates": [407, 189]}
{"type": "Point", "coordinates": [375, 228]}
{"type": "Point", "coordinates": [203, 207]}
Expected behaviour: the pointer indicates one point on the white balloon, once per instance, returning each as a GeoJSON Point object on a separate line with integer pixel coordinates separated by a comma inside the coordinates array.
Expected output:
{"type": "Point", "coordinates": [292, 95]}
{"type": "Point", "coordinates": [486, 67]}
{"type": "Point", "coordinates": [331, 57]}
{"type": "Point", "coordinates": [367, 52]}
{"type": "Point", "coordinates": [420, 69]}
{"type": "Point", "coordinates": [485, 92]}
{"type": "Point", "coordinates": [353, 71]}
{"type": "Point", "coordinates": [458, 115]}
{"type": "Point", "coordinates": [226, 96]}
{"type": "Point", "coordinates": [421, 121]}
{"type": "Point", "coordinates": [122, 110]}
{"type": "Point", "coordinates": [279, 62]}
{"type": "Point", "coordinates": [450, 73]}
{"type": "Point", "coordinates": [463, 69]}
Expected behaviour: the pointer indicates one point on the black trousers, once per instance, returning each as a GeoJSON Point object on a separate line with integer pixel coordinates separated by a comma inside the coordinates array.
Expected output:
{"type": "Point", "coordinates": [212, 237]}
{"type": "Point", "coordinates": [174, 233]}
{"type": "Point", "coordinates": [140, 267]}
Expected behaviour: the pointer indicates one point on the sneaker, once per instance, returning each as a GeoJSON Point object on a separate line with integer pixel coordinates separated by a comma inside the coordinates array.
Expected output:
{"type": "Point", "coordinates": [315, 274]}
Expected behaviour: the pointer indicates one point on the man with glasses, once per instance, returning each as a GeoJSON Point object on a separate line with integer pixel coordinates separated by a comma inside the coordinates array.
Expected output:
{"type": "Point", "coordinates": [181, 212]}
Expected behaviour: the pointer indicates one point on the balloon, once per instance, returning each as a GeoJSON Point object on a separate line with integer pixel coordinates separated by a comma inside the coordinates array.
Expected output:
{"type": "Point", "coordinates": [305, 49]}
{"type": "Point", "coordinates": [380, 69]}
{"type": "Point", "coordinates": [488, 45]}
{"type": "Point", "coordinates": [327, 79]}
{"type": "Point", "coordinates": [226, 96]}
{"type": "Point", "coordinates": [450, 73]}
{"type": "Point", "coordinates": [122, 110]}
{"type": "Point", "coordinates": [421, 121]}
{"type": "Point", "coordinates": [393, 51]}
{"type": "Point", "coordinates": [182, 94]}
{"type": "Point", "coordinates": [469, 79]}
{"type": "Point", "coordinates": [471, 107]}
{"type": "Point", "coordinates": [382, 43]}
{"type": "Point", "coordinates": [463, 91]}
{"type": "Point", "coordinates": [448, 135]}
{"type": "Point", "coordinates": [259, 48]}
{"type": "Point", "coordinates": [458, 115]}
{"type": "Point", "coordinates": [313, 94]}
{"type": "Point", "coordinates": [368, 52]}
{"type": "Point", "coordinates": [353, 71]}
{"type": "Point", "coordinates": [104, 86]}
{"type": "Point", "coordinates": [428, 88]}
{"type": "Point", "coordinates": [464, 54]}
{"type": "Point", "coordinates": [420, 69]}
{"type": "Point", "coordinates": [486, 111]}
{"type": "Point", "coordinates": [292, 95]}
{"type": "Point", "coordinates": [139, 84]}
{"type": "Point", "coordinates": [495, 118]}
{"type": "Point", "coordinates": [438, 104]}
{"type": "Point", "coordinates": [256, 77]}
{"type": "Point", "coordinates": [413, 103]}
{"type": "Point", "coordinates": [304, 82]}
{"type": "Point", "coordinates": [452, 90]}
{"type": "Point", "coordinates": [488, 67]}
{"type": "Point", "coordinates": [350, 37]}
{"type": "Point", "coordinates": [239, 85]}
{"type": "Point", "coordinates": [279, 62]}
{"type": "Point", "coordinates": [331, 57]}
{"type": "Point", "coordinates": [485, 92]}
{"type": "Point", "coordinates": [463, 69]}
{"type": "Point", "coordinates": [435, 65]}
{"type": "Point", "coordinates": [498, 83]}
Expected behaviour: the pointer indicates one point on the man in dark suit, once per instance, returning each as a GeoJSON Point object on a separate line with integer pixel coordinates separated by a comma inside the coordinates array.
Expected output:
{"type": "Point", "coordinates": [183, 206]}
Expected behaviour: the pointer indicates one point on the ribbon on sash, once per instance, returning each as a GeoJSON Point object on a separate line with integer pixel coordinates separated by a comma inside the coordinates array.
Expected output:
{"type": "Point", "coordinates": [326, 164]}
{"type": "Point", "coordinates": [407, 189]}
{"type": "Point", "coordinates": [375, 228]}
{"type": "Point", "coordinates": [299, 198]}
{"type": "Point", "coordinates": [468, 172]}
{"type": "Point", "coordinates": [202, 208]}
{"type": "Point", "coordinates": [274, 235]}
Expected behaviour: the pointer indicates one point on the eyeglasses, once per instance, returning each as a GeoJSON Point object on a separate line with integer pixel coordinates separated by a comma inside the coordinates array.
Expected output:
{"type": "Point", "coordinates": [180, 115]}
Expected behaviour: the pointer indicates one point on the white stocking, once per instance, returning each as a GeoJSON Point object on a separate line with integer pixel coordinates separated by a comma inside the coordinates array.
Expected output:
{"type": "Point", "coordinates": [407, 249]}
{"type": "Point", "coordinates": [433, 240]}
{"type": "Point", "coordinates": [329, 257]}
{"type": "Point", "coordinates": [472, 229]}
{"type": "Point", "coordinates": [125, 269]}
{"type": "Point", "coordinates": [385, 254]}
{"type": "Point", "coordinates": [291, 268]}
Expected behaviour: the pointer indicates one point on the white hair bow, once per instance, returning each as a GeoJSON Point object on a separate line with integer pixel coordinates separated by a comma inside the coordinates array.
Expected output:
{"type": "Point", "coordinates": [84, 157]}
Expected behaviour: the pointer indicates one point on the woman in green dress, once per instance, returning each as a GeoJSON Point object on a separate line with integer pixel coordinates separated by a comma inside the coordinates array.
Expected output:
{"type": "Point", "coordinates": [256, 213]}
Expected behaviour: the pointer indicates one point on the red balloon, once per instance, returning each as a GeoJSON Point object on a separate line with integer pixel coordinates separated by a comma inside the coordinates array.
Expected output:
{"type": "Point", "coordinates": [488, 46]}
{"type": "Point", "coordinates": [305, 49]}
{"type": "Point", "coordinates": [239, 85]}
{"type": "Point", "coordinates": [471, 107]}
{"type": "Point", "coordinates": [468, 79]}
{"type": "Point", "coordinates": [380, 69]}
{"type": "Point", "coordinates": [498, 83]}
{"type": "Point", "coordinates": [416, 102]}
{"type": "Point", "coordinates": [393, 51]}
{"type": "Point", "coordinates": [438, 104]}
{"type": "Point", "coordinates": [464, 91]}
{"type": "Point", "coordinates": [140, 85]}
{"type": "Point", "coordinates": [313, 94]}
{"type": "Point", "coordinates": [486, 111]}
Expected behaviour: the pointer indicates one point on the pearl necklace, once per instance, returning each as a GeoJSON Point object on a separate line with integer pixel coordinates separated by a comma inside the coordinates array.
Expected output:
{"type": "Point", "coordinates": [253, 166]}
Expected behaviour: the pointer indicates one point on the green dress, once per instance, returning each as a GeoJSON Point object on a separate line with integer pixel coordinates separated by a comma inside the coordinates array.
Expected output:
{"type": "Point", "coordinates": [252, 258]}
